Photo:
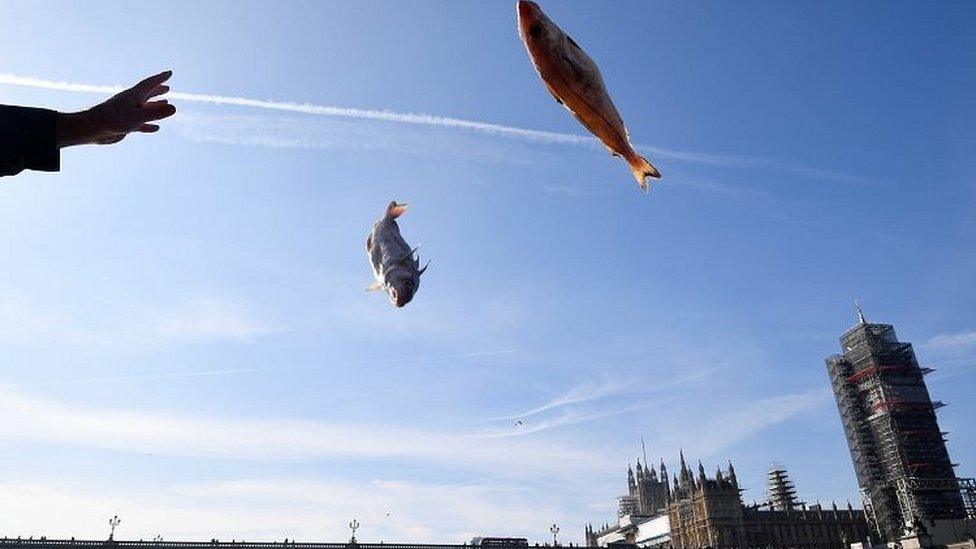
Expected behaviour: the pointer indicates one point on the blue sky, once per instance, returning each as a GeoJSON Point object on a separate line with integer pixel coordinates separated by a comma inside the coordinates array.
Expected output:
{"type": "Point", "coordinates": [186, 338]}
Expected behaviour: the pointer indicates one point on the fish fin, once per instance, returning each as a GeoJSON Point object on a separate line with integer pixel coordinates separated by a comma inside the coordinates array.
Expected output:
{"type": "Point", "coordinates": [395, 210]}
{"type": "Point", "coordinates": [553, 92]}
{"type": "Point", "coordinates": [374, 286]}
{"type": "Point", "coordinates": [642, 170]}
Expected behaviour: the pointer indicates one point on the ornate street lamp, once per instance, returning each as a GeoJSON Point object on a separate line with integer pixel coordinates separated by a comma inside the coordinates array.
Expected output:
{"type": "Point", "coordinates": [354, 525]}
{"type": "Point", "coordinates": [113, 522]}
{"type": "Point", "coordinates": [555, 530]}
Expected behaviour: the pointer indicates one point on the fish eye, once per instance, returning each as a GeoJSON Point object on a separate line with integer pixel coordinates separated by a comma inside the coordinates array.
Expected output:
{"type": "Point", "coordinates": [535, 30]}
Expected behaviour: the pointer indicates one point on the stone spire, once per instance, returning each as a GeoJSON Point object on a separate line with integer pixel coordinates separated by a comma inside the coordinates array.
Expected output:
{"type": "Point", "coordinates": [732, 477]}
{"type": "Point", "coordinates": [685, 477]}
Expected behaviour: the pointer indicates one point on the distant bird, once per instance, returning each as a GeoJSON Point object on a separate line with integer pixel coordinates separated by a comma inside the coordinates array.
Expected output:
{"type": "Point", "coordinates": [576, 83]}
{"type": "Point", "coordinates": [519, 423]}
{"type": "Point", "coordinates": [389, 514]}
{"type": "Point", "coordinates": [394, 266]}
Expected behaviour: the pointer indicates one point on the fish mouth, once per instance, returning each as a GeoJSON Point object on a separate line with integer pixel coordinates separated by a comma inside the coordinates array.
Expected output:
{"type": "Point", "coordinates": [528, 13]}
{"type": "Point", "coordinates": [399, 299]}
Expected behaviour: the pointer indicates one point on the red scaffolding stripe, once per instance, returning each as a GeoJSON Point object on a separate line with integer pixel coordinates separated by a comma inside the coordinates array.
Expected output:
{"type": "Point", "coordinates": [871, 370]}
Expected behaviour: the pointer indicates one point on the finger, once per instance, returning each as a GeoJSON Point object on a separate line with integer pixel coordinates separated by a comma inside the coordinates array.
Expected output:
{"type": "Point", "coordinates": [143, 88]}
{"type": "Point", "coordinates": [157, 91]}
{"type": "Point", "coordinates": [156, 110]}
{"type": "Point", "coordinates": [111, 140]}
{"type": "Point", "coordinates": [148, 128]}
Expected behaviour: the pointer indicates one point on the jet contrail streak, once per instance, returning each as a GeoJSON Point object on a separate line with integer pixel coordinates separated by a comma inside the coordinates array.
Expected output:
{"type": "Point", "coordinates": [478, 354]}
{"type": "Point", "coordinates": [539, 136]}
{"type": "Point", "coordinates": [137, 377]}
{"type": "Point", "coordinates": [321, 110]}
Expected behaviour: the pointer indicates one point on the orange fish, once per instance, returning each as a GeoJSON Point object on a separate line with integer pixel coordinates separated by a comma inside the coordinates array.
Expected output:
{"type": "Point", "coordinates": [575, 81]}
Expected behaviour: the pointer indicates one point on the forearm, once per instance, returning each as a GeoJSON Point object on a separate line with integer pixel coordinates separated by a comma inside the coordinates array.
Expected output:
{"type": "Point", "coordinates": [74, 128]}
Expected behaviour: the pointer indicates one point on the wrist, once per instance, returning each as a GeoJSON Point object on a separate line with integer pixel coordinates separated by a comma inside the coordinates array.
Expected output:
{"type": "Point", "coordinates": [75, 128]}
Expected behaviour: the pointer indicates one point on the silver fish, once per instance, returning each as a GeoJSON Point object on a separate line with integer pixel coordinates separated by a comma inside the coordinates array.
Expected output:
{"type": "Point", "coordinates": [396, 269]}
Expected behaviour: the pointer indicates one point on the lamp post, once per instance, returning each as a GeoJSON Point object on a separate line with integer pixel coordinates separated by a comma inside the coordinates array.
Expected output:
{"type": "Point", "coordinates": [354, 525]}
{"type": "Point", "coordinates": [113, 522]}
{"type": "Point", "coordinates": [555, 530]}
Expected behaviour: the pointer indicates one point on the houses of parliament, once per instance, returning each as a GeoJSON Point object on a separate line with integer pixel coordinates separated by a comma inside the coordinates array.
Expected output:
{"type": "Point", "coordinates": [693, 509]}
{"type": "Point", "coordinates": [911, 496]}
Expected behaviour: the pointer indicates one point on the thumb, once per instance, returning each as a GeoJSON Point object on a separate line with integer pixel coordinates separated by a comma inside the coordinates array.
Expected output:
{"type": "Point", "coordinates": [111, 140]}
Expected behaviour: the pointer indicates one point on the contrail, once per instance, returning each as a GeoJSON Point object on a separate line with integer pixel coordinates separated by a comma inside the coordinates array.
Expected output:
{"type": "Point", "coordinates": [478, 354]}
{"type": "Point", "coordinates": [539, 136]}
{"type": "Point", "coordinates": [137, 377]}
{"type": "Point", "coordinates": [587, 392]}
{"type": "Point", "coordinates": [321, 110]}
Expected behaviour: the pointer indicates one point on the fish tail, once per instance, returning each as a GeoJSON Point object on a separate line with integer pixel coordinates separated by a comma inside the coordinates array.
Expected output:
{"type": "Point", "coordinates": [642, 170]}
{"type": "Point", "coordinates": [395, 210]}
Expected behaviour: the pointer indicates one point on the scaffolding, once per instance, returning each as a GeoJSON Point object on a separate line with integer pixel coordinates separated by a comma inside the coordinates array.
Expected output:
{"type": "Point", "coordinates": [898, 451]}
{"type": "Point", "coordinates": [627, 506]}
{"type": "Point", "coordinates": [912, 491]}
{"type": "Point", "coordinates": [781, 494]}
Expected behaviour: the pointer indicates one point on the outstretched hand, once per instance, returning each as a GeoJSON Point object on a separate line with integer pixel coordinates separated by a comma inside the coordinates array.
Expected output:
{"type": "Point", "coordinates": [128, 111]}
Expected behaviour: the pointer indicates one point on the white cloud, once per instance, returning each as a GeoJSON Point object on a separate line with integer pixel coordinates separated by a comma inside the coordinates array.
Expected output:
{"type": "Point", "coordinates": [213, 319]}
{"type": "Point", "coordinates": [952, 342]}
{"type": "Point", "coordinates": [21, 322]}
{"type": "Point", "coordinates": [254, 509]}
{"type": "Point", "coordinates": [142, 326]}
{"type": "Point", "coordinates": [724, 428]}
{"type": "Point", "coordinates": [280, 131]}
{"type": "Point", "coordinates": [285, 439]}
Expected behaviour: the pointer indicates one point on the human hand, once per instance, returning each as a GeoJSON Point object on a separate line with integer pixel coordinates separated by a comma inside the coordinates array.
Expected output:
{"type": "Point", "coordinates": [128, 111]}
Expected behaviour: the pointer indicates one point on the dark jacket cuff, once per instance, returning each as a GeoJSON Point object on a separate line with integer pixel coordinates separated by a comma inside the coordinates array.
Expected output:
{"type": "Point", "coordinates": [28, 140]}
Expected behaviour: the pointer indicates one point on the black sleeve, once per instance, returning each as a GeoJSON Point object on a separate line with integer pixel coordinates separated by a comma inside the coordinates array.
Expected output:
{"type": "Point", "coordinates": [28, 140]}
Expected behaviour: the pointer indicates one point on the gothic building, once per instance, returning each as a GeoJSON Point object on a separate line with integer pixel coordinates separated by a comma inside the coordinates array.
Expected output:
{"type": "Point", "coordinates": [695, 511]}
{"type": "Point", "coordinates": [650, 491]}
{"type": "Point", "coordinates": [641, 513]}
{"type": "Point", "coordinates": [708, 512]}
